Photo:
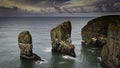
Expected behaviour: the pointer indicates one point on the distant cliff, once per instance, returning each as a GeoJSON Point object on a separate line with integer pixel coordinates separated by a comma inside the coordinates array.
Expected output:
{"type": "Point", "coordinates": [104, 32]}
{"type": "Point", "coordinates": [61, 39]}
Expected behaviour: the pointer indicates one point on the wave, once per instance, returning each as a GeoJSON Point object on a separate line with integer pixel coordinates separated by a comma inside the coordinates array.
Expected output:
{"type": "Point", "coordinates": [99, 58]}
{"type": "Point", "coordinates": [40, 62]}
{"type": "Point", "coordinates": [70, 57]}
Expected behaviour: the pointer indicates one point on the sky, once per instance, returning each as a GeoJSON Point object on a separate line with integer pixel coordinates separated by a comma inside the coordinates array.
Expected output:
{"type": "Point", "coordinates": [40, 7]}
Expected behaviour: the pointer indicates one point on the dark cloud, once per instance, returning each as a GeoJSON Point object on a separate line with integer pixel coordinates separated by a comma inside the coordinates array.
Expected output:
{"type": "Point", "coordinates": [93, 5]}
{"type": "Point", "coordinates": [61, 6]}
{"type": "Point", "coordinates": [40, 3]}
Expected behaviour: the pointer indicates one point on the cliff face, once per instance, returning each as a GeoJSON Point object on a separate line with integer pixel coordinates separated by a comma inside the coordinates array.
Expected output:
{"type": "Point", "coordinates": [61, 39]}
{"type": "Point", "coordinates": [111, 51]}
{"type": "Point", "coordinates": [25, 45]}
{"type": "Point", "coordinates": [105, 32]}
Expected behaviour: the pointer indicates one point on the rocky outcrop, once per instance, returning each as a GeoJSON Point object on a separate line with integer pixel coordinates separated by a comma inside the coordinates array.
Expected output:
{"type": "Point", "coordinates": [25, 45]}
{"type": "Point", "coordinates": [61, 39]}
{"type": "Point", "coordinates": [107, 29]}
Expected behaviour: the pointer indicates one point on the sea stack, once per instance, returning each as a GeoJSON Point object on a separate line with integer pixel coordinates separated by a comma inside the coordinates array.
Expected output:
{"type": "Point", "coordinates": [25, 45]}
{"type": "Point", "coordinates": [105, 32]}
{"type": "Point", "coordinates": [61, 39]}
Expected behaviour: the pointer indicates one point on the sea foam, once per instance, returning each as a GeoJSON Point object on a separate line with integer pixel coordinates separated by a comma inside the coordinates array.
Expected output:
{"type": "Point", "coordinates": [68, 57]}
{"type": "Point", "coordinates": [99, 58]}
{"type": "Point", "coordinates": [41, 62]}
{"type": "Point", "coordinates": [71, 58]}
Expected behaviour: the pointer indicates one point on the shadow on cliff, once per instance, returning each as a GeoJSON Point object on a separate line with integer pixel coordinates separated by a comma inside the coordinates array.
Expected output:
{"type": "Point", "coordinates": [26, 63]}
{"type": "Point", "coordinates": [57, 61]}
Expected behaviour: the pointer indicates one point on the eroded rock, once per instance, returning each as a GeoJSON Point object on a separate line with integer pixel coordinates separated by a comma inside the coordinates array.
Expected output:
{"type": "Point", "coordinates": [25, 45]}
{"type": "Point", "coordinates": [111, 51]}
{"type": "Point", "coordinates": [95, 33]}
{"type": "Point", "coordinates": [105, 32]}
{"type": "Point", "coordinates": [61, 39]}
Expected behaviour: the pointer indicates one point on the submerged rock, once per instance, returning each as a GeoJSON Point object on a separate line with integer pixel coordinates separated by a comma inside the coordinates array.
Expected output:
{"type": "Point", "coordinates": [105, 32]}
{"type": "Point", "coordinates": [61, 39]}
{"type": "Point", "coordinates": [25, 45]}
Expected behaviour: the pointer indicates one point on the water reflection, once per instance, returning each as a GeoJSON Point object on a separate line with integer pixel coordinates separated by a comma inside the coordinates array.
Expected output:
{"type": "Point", "coordinates": [57, 61]}
{"type": "Point", "coordinates": [26, 63]}
{"type": "Point", "coordinates": [90, 56]}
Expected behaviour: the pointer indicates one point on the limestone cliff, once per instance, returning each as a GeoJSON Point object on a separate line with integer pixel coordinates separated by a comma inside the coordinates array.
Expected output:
{"type": "Point", "coordinates": [61, 39]}
{"type": "Point", "coordinates": [25, 45]}
{"type": "Point", "coordinates": [105, 32]}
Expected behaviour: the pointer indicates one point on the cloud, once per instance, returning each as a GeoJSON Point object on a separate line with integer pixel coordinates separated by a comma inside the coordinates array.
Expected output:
{"type": "Point", "coordinates": [28, 5]}
{"type": "Point", "coordinates": [63, 6]}
{"type": "Point", "coordinates": [92, 5]}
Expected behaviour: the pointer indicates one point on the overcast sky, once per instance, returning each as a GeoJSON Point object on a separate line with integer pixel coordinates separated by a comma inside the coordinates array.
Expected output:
{"type": "Point", "coordinates": [58, 6]}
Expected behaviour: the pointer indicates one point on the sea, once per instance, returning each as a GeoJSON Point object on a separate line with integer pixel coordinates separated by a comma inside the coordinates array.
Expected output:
{"type": "Point", "coordinates": [40, 28]}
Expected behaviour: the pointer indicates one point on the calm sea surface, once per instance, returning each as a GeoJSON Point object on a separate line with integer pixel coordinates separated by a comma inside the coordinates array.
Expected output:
{"type": "Point", "coordinates": [40, 28]}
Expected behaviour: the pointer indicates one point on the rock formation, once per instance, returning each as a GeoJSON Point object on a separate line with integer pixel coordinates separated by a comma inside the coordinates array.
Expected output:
{"type": "Point", "coordinates": [61, 39]}
{"type": "Point", "coordinates": [25, 45]}
{"type": "Point", "coordinates": [95, 33]}
{"type": "Point", "coordinates": [111, 51]}
{"type": "Point", "coordinates": [106, 31]}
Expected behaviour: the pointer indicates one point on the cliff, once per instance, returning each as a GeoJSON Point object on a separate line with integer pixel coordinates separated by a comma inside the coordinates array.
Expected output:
{"type": "Point", "coordinates": [104, 32]}
{"type": "Point", "coordinates": [61, 39]}
{"type": "Point", "coordinates": [111, 51]}
{"type": "Point", "coordinates": [95, 32]}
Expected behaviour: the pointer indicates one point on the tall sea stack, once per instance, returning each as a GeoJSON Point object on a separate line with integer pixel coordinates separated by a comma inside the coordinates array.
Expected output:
{"type": "Point", "coordinates": [25, 45]}
{"type": "Point", "coordinates": [61, 39]}
{"type": "Point", "coordinates": [104, 32]}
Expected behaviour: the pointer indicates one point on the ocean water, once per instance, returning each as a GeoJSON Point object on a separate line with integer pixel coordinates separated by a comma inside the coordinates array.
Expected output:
{"type": "Point", "coordinates": [39, 28]}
